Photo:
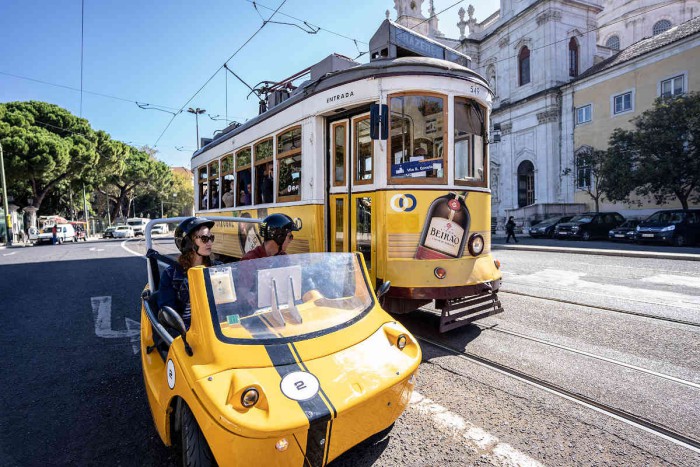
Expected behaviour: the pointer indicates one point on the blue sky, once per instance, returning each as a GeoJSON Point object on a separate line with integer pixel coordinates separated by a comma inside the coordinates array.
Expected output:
{"type": "Point", "coordinates": [162, 52]}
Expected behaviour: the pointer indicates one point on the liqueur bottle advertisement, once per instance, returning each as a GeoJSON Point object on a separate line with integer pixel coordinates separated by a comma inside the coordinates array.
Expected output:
{"type": "Point", "coordinates": [445, 228]}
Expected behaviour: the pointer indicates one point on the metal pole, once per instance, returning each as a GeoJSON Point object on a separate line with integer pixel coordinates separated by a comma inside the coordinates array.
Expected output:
{"type": "Point", "coordinates": [87, 222]}
{"type": "Point", "coordinates": [161, 208]}
{"type": "Point", "coordinates": [109, 221]}
{"type": "Point", "coordinates": [8, 219]}
{"type": "Point", "coordinates": [196, 119]}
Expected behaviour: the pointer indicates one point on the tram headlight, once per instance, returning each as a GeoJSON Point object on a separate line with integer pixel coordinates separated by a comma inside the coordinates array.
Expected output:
{"type": "Point", "coordinates": [440, 273]}
{"type": "Point", "coordinates": [250, 397]}
{"type": "Point", "coordinates": [476, 244]}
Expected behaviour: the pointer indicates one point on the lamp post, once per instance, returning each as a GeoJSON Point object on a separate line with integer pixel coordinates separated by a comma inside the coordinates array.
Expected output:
{"type": "Point", "coordinates": [8, 220]}
{"type": "Point", "coordinates": [197, 112]}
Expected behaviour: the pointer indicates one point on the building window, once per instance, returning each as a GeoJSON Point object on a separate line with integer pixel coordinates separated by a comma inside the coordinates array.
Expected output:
{"type": "Point", "coordinates": [613, 43]}
{"type": "Point", "coordinates": [573, 57]}
{"type": "Point", "coordinates": [673, 86]}
{"type": "Point", "coordinates": [524, 66]}
{"type": "Point", "coordinates": [583, 169]}
{"type": "Point", "coordinates": [661, 26]}
{"type": "Point", "coordinates": [583, 114]}
{"type": "Point", "coordinates": [526, 184]}
{"type": "Point", "coordinates": [622, 103]}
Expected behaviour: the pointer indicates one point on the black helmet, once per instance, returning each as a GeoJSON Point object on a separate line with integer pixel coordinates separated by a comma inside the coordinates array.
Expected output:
{"type": "Point", "coordinates": [276, 227]}
{"type": "Point", "coordinates": [183, 241]}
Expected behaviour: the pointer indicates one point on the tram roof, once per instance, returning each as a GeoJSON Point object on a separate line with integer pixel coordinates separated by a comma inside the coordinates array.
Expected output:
{"type": "Point", "coordinates": [377, 68]}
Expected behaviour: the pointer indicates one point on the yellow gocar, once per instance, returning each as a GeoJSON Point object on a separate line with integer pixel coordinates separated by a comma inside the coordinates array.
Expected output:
{"type": "Point", "coordinates": [289, 360]}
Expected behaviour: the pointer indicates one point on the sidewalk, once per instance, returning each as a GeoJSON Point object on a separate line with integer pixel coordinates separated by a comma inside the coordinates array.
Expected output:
{"type": "Point", "coordinates": [597, 247]}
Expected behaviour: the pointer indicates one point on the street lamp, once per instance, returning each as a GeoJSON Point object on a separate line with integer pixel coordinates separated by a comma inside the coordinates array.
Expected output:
{"type": "Point", "coordinates": [197, 112]}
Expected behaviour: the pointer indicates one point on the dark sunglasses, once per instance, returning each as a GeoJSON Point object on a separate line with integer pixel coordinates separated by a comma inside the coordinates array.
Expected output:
{"type": "Point", "coordinates": [206, 238]}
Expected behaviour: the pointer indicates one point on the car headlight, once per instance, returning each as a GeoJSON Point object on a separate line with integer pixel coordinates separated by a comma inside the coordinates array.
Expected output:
{"type": "Point", "coordinates": [669, 228]}
{"type": "Point", "coordinates": [611, 233]}
{"type": "Point", "coordinates": [636, 229]}
{"type": "Point", "coordinates": [250, 397]}
{"type": "Point", "coordinates": [401, 342]}
{"type": "Point", "coordinates": [575, 228]}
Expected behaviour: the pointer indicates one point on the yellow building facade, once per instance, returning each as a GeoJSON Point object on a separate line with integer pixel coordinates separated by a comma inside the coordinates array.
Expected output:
{"type": "Point", "coordinates": [612, 93]}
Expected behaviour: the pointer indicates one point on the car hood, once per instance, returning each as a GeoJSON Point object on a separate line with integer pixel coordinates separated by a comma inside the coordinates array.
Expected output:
{"type": "Point", "coordinates": [570, 224]}
{"type": "Point", "coordinates": [345, 378]}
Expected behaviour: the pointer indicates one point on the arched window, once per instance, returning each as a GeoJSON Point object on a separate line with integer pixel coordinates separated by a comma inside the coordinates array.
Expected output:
{"type": "Point", "coordinates": [491, 76]}
{"type": "Point", "coordinates": [524, 66]}
{"type": "Point", "coordinates": [573, 57]}
{"type": "Point", "coordinates": [526, 184]}
{"type": "Point", "coordinates": [613, 43]}
{"type": "Point", "coordinates": [661, 26]}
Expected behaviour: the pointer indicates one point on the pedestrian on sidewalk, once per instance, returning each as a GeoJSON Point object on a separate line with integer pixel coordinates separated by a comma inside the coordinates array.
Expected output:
{"type": "Point", "coordinates": [510, 230]}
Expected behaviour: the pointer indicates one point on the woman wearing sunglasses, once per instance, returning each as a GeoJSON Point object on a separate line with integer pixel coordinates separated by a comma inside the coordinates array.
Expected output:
{"type": "Point", "coordinates": [276, 231]}
{"type": "Point", "coordinates": [194, 240]}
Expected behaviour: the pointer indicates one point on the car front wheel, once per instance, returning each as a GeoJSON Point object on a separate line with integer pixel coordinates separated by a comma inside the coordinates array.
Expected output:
{"type": "Point", "coordinates": [585, 236]}
{"type": "Point", "coordinates": [195, 450]}
{"type": "Point", "coordinates": [679, 240]}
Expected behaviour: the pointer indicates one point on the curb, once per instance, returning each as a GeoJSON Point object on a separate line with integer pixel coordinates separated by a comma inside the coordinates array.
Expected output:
{"type": "Point", "coordinates": [601, 252]}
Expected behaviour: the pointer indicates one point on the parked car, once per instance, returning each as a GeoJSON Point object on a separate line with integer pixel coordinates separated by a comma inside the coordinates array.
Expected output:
{"type": "Point", "coordinates": [624, 233]}
{"type": "Point", "coordinates": [676, 227]}
{"type": "Point", "coordinates": [589, 225]}
{"type": "Point", "coordinates": [123, 231]}
{"type": "Point", "coordinates": [109, 232]}
{"type": "Point", "coordinates": [64, 233]}
{"type": "Point", "coordinates": [160, 229]}
{"type": "Point", "coordinates": [547, 226]}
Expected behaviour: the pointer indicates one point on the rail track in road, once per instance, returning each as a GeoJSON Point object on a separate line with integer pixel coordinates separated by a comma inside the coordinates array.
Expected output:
{"type": "Point", "coordinates": [605, 308]}
{"type": "Point", "coordinates": [621, 415]}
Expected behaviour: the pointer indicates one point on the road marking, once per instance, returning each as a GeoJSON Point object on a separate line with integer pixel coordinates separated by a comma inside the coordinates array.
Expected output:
{"type": "Point", "coordinates": [477, 438]}
{"type": "Point", "coordinates": [672, 279]}
{"type": "Point", "coordinates": [8, 254]}
{"type": "Point", "coordinates": [574, 279]}
{"type": "Point", "coordinates": [102, 314]}
{"type": "Point", "coordinates": [97, 249]}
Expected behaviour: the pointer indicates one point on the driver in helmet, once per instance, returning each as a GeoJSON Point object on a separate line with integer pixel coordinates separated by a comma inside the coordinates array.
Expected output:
{"type": "Point", "coordinates": [194, 240]}
{"type": "Point", "coordinates": [276, 231]}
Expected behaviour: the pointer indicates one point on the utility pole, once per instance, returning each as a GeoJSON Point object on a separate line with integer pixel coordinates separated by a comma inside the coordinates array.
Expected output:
{"type": "Point", "coordinates": [8, 219]}
{"type": "Point", "coordinates": [87, 221]}
{"type": "Point", "coordinates": [197, 112]}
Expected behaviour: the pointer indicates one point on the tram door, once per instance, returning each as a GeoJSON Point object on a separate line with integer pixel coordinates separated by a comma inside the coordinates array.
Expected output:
{"type": "Point", "coordinates": [352, 224]}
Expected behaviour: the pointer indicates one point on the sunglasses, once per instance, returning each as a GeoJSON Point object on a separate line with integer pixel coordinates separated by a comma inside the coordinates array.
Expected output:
{"type": "Point", "coordinates": [205, 238]}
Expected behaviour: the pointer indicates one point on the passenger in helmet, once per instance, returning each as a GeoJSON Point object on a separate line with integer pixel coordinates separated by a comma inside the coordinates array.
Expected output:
{"type": "Point", "coordinates": [194, 240]}
{"type": "Point", "coordinates": [276, 231]}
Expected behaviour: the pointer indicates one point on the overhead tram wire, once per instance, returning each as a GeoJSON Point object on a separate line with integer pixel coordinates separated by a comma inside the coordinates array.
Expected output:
{"type": "Point", "coordinates": [219, 69]}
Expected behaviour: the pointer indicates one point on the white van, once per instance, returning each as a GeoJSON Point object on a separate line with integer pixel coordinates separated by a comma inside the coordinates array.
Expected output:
{"type": "Point", "coordinates": [138, 224]}
{"type": "Point", "coordinates": [64, 233]}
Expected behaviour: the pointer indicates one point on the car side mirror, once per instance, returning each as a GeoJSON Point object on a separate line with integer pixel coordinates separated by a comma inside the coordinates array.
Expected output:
{"type": "Point", "coordinates": [171, 318]}
{"type": "Point", "coordinates": [383, 289]}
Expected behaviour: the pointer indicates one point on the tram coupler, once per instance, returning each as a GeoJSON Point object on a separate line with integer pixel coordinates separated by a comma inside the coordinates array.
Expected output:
{"type": "Point", "coordinates": [459, 312]}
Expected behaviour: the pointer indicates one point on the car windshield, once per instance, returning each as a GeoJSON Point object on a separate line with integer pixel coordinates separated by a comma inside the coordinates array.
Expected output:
{"type": "Point", "coordinates": [550, 221]}
{"type": "Point", "coordinates": [582, 218]}
{"type": "Point", "coordinates": [288, 296]}
{"type": "Point", "coordinates": [123, 228]}
{"type": "Point", "coordinates": [665, 218]}
{"type": "Point", "coordinates": [135, 222]}
{"type": "Point", "coordinates": [47, 230]}
{"type": "Point", "coordinates": [629, 224]}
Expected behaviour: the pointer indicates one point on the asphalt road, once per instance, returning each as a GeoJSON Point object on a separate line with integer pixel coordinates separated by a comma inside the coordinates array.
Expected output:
{"type": "Point", "coordinates": [73, 393]}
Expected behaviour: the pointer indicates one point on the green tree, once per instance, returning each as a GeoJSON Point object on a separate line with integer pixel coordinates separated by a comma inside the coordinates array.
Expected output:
{"type": "Point", "coordinates": [45, 146]}
{"type": "Point", "coordinates": [659, 158]}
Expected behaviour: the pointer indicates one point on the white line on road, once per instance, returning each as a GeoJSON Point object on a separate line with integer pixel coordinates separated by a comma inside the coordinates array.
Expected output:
{"type": "Point", "coordinates": [477, 438]}
{"type": "Point", "coordinates": [672, 279]}
{"type": "Point", "coordinates": [8, 254]}
{"type": "Point", "coordinates": [102, 314]}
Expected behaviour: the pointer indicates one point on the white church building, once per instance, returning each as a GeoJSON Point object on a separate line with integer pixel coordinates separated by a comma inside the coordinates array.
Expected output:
{"type": "Point", "coordinates": [528, 50]}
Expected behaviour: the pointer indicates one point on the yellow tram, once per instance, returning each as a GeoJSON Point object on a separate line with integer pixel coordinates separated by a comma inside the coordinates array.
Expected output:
{"type": "Point", "coordinates": [388, 158]}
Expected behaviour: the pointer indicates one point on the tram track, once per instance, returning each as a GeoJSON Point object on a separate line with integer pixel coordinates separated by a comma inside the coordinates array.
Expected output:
{"type": "Point", "coordinates": [605, 308]}
{"type": "Point", "coordinates": [608, 410]}
{"type": "Point", "coordinates": [590, 355]}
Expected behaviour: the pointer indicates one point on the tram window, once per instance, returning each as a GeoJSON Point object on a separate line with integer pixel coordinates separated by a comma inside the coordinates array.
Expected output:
{"type": "Point", "coordinates": [363, 234]}
{"type": "Point", "coordinates": [214, 185]}
{"type": "Point", "coordinates": [289, 165]}
{"type": "Point", "coordinates": [339, 225]}
{"type": "Point", "coordinates": [264, 183]}
{"type": "Point", "coordinates": [469, 152]}
{"type": "Point", "coordinates": [243, 177]}
{"type": "Point", "coordinates": [203, 188]}
{"type": "Point", "coordinates": [364, 152]}
{"type": "Point", "coordinates": [228, 186]}
{"type": "Point", "coordinates": [339, 153]}
{"type": "Point", "coordinates": [417, 133]}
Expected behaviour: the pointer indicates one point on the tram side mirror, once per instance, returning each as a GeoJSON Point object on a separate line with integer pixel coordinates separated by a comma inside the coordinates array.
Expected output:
{"type": "Point", "coordinates": [171, 318]}
{"type": "Point", "coordinates": [379, 121]}
{"type": "Point", "coordinates": [383, 289]}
